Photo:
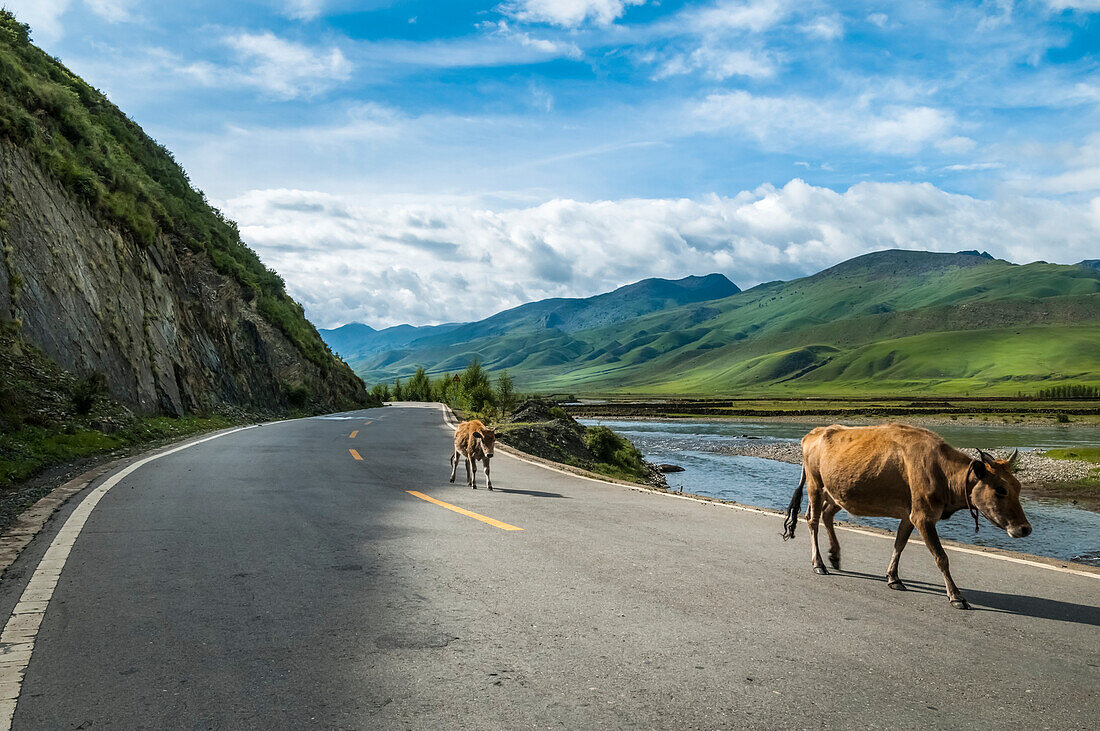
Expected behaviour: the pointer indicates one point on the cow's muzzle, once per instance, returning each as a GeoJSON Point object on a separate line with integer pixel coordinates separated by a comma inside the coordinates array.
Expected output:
{"type": "Point", "coordinates": [1019, 531]}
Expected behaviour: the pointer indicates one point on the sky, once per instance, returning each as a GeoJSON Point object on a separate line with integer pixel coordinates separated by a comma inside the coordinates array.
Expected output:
{"type": "Point", "coordinates": [405, 161]}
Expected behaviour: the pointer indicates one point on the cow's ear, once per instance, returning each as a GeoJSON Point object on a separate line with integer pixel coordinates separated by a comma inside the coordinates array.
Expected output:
{"type": "Point", "coordinates": [479, 435]}
{"type": "Point", "coordinates": [978, 469]}
{"type": "Point", "coordinates": [987, 458]}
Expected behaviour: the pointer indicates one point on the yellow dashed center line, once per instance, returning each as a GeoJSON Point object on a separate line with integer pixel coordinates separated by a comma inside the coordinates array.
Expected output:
{"type": "Point", "coordinates": [367, 423]}
{"type": "Point", "coordinates": [355, 454]}
{"type": "Point", "coordinates": [468, 513]}
{"type": "Point", "coordinates": [352, 435]}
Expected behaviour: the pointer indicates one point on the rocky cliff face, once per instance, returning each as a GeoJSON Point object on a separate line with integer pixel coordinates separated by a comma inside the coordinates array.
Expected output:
{"type": "Point", "coordinates": [170, 333]}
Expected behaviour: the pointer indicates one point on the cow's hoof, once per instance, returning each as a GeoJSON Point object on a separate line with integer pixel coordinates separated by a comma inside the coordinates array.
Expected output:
{"type": "Point", "coordinates": [835, 562]}
{"type": "Point", "coordinates": [452, 480]}
{"type": "Point", "coordinates": [960, 604]}
{"type": "Point", "coordinates": [821, 570]}
{"type": "Point", "coordinates": [474, 486]}
{"type": "Point", "coordinates": [490, 488]}
{"type": "Point", "coordinates": [896, 585]}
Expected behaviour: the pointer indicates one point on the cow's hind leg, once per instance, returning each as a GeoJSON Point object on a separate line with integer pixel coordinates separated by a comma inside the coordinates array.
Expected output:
{"type": "Point", "coordinates": [454, 464]}
{"type": "Point", "coordinates": [831, 509]}
{"type": "Point", "coordinates": [813, 519]}
{"type": "Point", "coordinates": [905, 529]}
{"type": "Point", "coordinates": [927, 530]}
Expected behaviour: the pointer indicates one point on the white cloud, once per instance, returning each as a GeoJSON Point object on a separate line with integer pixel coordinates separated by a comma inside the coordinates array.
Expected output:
{"type": "Point", "coordinates": [351, 259]}
{"type": "Point", "coordinates": [718, 63]}
{"type": "Point", "coordinates": [825, 27]}
{"type": "Point", "coordinates": [955, 145]}
{"type": "Point", "coordinates": [751, 15]}
{"type": "Point", "coordinates": [282, 68]}
{"type": "Point", "coordinates": [303, 9]}
{"type": "Point", "coordinates": [786, 120]}
{"type": "Point", "coordinates": [879, 19]}
{"type": "Point", "coordinates": [45, 16]}
{"type": "Point", "coordinates": [567, 13]}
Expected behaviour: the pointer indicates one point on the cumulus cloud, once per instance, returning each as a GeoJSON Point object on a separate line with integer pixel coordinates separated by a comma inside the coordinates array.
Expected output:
{"type": "Point", "coordinates": [718, 63]}
{"type": "Point", "coordinates": [426, 262]}
{"type": "Point", "coordinates": [303, 9]}
{"type": "Point", "coordinates": [567, 13]}
{"type": "Point", "coordinates": [279, 67]}
{"type": "Point", "coordinates": [782, 120]}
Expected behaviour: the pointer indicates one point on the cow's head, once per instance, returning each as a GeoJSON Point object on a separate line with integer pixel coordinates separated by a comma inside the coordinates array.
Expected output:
{"type": "Point", "coordinates": [995, 492]}
{"type": "Point", "coordinates": [487, 438]}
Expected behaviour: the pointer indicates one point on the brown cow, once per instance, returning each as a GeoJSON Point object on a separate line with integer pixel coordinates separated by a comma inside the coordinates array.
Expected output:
{"type": "Point", "coordinates": [904, 472]}
{"type": "Point", "coordinates": [474, 441]}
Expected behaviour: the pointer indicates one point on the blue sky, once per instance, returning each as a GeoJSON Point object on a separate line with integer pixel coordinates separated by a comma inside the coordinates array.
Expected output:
{"type": "Point", "coordinates": [420, 162]}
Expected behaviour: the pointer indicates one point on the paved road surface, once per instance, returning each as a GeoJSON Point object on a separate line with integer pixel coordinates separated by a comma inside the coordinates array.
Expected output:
{"type": "Point", "coordinates": [267, 579]}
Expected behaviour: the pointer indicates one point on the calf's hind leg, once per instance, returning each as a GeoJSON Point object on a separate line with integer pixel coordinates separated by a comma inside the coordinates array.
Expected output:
{"type": "Point", "coordinates": [454, 464]}
{"type": "Point", "coordinates": [813, 519]}
{"type": "Point", "coordinates": [831, 509]}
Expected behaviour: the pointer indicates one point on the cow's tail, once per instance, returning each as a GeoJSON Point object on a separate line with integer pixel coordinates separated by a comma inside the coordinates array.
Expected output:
{"type": "Point", "coordinates": [794, 508]}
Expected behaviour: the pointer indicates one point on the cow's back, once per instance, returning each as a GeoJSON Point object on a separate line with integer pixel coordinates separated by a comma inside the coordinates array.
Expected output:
{"type": "Point", "coordinates": [464, 436]}
{"type": "Point", "coordinates": [866, 470]}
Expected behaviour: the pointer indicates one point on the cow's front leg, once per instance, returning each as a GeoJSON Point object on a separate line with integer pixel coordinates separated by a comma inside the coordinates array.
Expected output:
{"type": "Point", "coordinates": [927, 530]}
{"type": "Point", "coordinates": [473, 480]}
{"type": "Point", "coordinates": [454, 465]}
{"type": "Point", "coordinates": [905, 529]}
{"type": "Point", "coordinates": [488, 480]}
{"type": "Point", "coordinates": [469, 480]}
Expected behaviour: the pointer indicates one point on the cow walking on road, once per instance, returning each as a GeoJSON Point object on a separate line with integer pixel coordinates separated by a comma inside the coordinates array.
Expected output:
{"type": "Point", "coordinates": [473, 441]}
{"type": "Point", "coordinates": [904, 472]}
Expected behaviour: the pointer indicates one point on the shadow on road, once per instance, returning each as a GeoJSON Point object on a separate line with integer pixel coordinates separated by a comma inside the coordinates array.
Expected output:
{"type": "Point", "coordinates": [992, 601]}
{"type": "Point", "coordinates": [532, 493]}
{"type": "Point", "coordinates": [1032, 606]}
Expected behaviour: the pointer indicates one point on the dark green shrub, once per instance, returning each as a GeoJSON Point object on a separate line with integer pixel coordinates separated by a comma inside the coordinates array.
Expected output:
{"type": "Point", "coordinates": [297, 394]}
{"type": "Point", "coordinates": [87, 392]}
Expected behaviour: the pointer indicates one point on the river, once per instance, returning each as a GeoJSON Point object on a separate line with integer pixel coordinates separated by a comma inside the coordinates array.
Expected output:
{"type": "Point", "coordinates": [1062, 530]}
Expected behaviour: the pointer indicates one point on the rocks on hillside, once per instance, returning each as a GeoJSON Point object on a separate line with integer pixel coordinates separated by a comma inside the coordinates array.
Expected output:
{"type": "Point", "coordinates": [170, 333]}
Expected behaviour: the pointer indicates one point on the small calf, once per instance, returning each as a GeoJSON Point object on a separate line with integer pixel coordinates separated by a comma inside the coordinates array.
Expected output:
{"type": "Point", "coordinates": [474, 441]}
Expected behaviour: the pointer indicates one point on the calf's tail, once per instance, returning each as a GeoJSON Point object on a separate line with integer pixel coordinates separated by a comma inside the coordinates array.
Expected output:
{"type": "Point", "coordinates": [794, 508]}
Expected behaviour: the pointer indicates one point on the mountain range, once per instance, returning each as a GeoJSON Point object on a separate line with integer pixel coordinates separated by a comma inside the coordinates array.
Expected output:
{"type": "Point", "coordinates": [888, 322]}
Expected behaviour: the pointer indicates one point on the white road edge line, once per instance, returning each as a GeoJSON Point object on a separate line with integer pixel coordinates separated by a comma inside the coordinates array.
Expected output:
{"type": "Point", "coordinates": [17, 639]}
{"type": "Point", "coordinates": [749, 509]}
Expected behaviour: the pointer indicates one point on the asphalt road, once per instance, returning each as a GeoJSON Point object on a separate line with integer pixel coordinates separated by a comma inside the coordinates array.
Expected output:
{"type": "Point", "coordinates": [267, 579]}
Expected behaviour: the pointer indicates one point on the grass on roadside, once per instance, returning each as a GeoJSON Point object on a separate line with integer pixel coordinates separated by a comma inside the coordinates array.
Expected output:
{"type": "Point", "coordinates": [29, 449]}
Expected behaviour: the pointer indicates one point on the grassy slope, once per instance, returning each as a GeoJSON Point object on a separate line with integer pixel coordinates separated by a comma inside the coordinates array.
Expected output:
{"type": "Point", "coordinates": [127, 179]}
{"type": "Point", "coordinates": [897, 322]}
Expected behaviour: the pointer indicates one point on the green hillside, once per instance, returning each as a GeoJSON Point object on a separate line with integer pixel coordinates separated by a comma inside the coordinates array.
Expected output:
{"type": "Point", "coordinates": [103, 158]}
{"type": "Point", "coordinates": [888, 322]}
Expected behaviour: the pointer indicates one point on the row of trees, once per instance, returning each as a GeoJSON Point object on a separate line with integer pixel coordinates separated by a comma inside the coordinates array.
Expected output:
{"type": "Point", "coordinates": [471, 390]}
{"type": "Point", "coordinates": [1069, 391]}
